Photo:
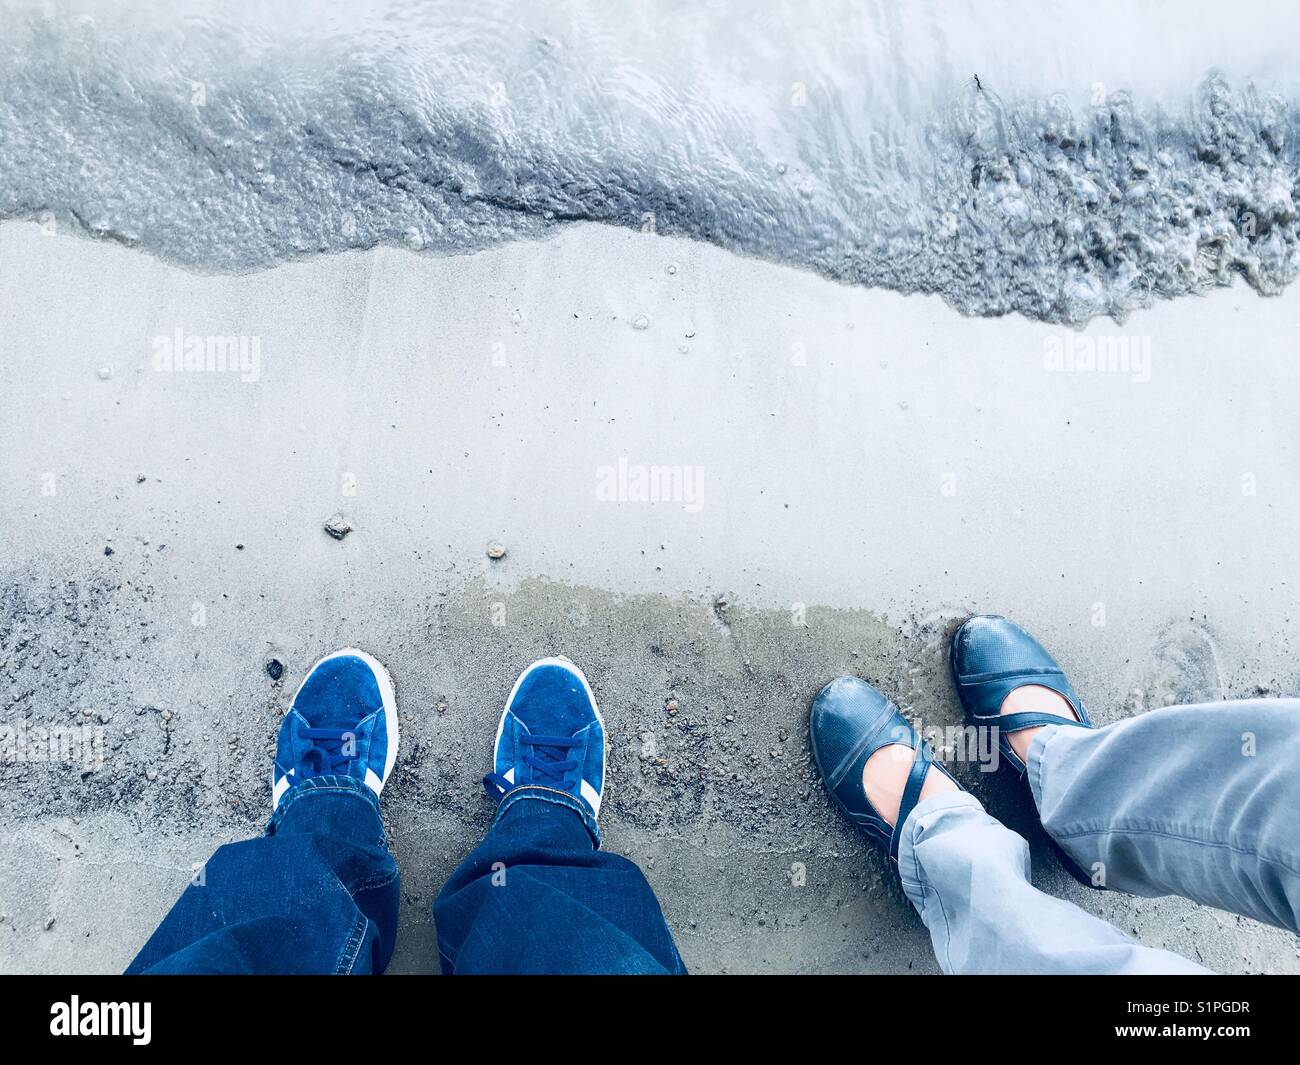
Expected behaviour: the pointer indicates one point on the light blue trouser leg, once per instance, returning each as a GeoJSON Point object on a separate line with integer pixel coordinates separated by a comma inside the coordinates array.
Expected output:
{"type": "Point", "coordinates": [1197, 801]}
{"type": "Point", "coordinates": [968, 877]}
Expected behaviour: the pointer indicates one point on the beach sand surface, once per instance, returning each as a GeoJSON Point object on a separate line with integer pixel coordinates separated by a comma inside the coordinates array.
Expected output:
{"type": "Point", "coordinates": [865, 470]}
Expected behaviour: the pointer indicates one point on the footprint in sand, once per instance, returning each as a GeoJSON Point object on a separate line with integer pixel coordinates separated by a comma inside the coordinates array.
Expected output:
{"type": "Point", "coordinates": [1184, 668]}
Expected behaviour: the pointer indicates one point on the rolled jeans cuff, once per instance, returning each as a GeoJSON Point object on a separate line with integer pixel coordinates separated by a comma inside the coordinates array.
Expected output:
{"type": "Point", "coordinates": [317, 787]}
{"type": "Point", "coordinates": [537, 793]}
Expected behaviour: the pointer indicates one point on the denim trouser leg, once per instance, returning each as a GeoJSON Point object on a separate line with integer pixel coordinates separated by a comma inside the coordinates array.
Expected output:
{"type": "Point", "coordinates": [1191, 800]}
{"type": "Point", "coordinates": [539, 896]}
{"type": "Point", "coordinates": [1199, 801]}
{"type": "Point", "coordinates": [967, 874]}
{"type": "Point", "coordinates": [318, 893]}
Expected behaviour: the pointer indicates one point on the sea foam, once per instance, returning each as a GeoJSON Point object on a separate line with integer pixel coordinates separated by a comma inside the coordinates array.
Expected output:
{"type": "Point", "coordinates": [227, 142]}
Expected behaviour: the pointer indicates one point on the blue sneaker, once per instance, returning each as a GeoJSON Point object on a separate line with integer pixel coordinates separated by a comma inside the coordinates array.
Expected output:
{"type": "Point", "coordinates": [551, 735]}
{"type": "Point", "coordinates": [343, 722]}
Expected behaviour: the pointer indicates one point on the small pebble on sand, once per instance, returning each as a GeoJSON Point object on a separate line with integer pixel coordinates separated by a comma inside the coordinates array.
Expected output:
{"type": "Point", "coordinates": [338, 527]}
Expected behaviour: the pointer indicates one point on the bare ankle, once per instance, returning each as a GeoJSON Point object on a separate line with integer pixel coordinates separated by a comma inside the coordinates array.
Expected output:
{"type": "Point", "coordinates": [884, 778]}
{"type": "Point", "coordinates": [1034, 698]}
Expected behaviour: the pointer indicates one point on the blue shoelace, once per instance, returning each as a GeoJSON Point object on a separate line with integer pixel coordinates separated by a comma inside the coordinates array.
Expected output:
{"type": "Point", "coordinates": [327, 753]}
{"type": "Point", "coordinates": [546, 757]}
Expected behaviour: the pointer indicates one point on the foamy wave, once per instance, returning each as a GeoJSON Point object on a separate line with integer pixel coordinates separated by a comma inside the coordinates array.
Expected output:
{"type": "Point", "coordinates": [222, 146]}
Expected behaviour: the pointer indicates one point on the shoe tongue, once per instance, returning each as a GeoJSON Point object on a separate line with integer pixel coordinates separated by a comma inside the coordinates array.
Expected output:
{"type": "Point", "coordinates": [329, 745]}
{"type": "Point", "coordinates": [342, 719]}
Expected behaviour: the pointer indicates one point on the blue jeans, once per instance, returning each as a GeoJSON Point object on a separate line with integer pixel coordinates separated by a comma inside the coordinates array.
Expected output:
{"type": "Point", "coordinates": [539, 896]}
{"type": "Point", "coordinates": [318, 893]}
{"type": "Point", "coordinates": [1198, 801]}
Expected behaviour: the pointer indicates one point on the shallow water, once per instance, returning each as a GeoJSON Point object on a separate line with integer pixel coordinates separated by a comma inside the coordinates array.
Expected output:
{"type": "Point", "coordinates": [1009, 157]}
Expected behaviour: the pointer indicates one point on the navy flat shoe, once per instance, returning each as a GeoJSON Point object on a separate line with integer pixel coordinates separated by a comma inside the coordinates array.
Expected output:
{"type": "Point", "coordinates": [848, 722]}
{"type": "Point", "coordinates": [990, 658]}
